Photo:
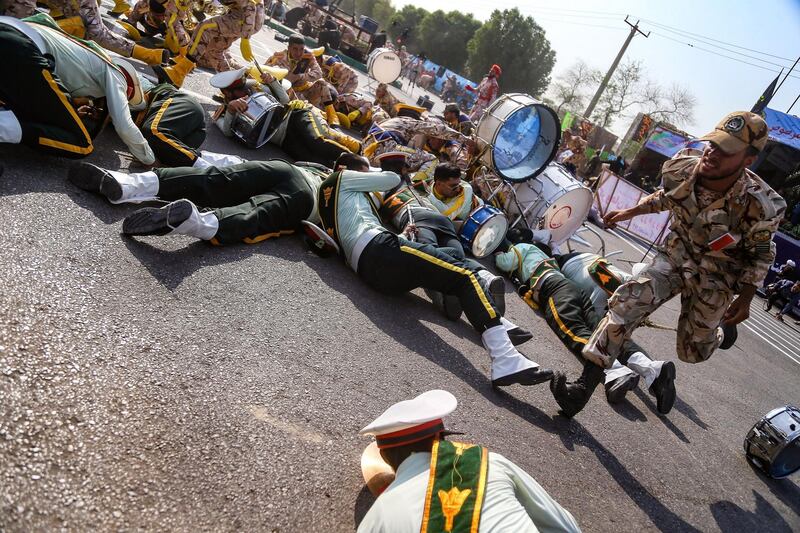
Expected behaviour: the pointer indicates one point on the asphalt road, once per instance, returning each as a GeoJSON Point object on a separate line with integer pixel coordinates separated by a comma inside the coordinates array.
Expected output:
{"type": "Point", "coordinates": [164, 384]}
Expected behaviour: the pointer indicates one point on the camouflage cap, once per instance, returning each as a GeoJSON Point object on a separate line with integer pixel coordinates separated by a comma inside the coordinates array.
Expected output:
{"type": "Point", "coordinates": [737, 131]}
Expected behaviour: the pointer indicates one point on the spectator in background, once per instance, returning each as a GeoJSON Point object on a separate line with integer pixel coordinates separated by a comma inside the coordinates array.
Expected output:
{"type": "Point", "coordinates": [786, 290]}
{"type": "Point", "coordinates": [787, 271]}
{"type": "Point", "coordinates": [277, 11]}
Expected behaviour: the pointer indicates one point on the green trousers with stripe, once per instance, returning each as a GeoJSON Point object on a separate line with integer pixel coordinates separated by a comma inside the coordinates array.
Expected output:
{"type": "Point", "coordinates": [174, 126]}
{"type": "Point", "coordinates": [30, 88]}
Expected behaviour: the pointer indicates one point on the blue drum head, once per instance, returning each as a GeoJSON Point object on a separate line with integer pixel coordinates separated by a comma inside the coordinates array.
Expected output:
{"type": "Point", "coordinates": [526, 142]}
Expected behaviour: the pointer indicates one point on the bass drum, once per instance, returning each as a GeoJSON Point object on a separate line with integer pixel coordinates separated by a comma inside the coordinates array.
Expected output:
{"type": "Point", "coordinates": [384, 65]}
{"type": "Point", "coordinates": [553, 200]}
{"type": "Point", "coordinates": [519, 136]}
{"type": "Point", "coordinates": [256, 126]}
{"type": "Point", "coordinates": [773, 444]}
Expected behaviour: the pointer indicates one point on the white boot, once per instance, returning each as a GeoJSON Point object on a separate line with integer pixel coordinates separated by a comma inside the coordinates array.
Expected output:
{"type": "Point", "coordinates": [200, 225]}
{"type": "Point", "coordinates": [209, 159]}
{"type": "Point", "coordinates": [507, 324]}
{"type": "Point", "coordinates": [645, 367]}
{"type": "Point", "coordinates": [10, 128]}
{"type": "Point", "coordinates": [137, 187]}
{"type": "Point", "coordinates": [617, 370]}
{"type": "Point", "coordinates": [506, 360]}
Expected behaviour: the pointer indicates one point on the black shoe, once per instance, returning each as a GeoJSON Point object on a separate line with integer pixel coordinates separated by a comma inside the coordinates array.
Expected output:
{"type": "Point", "coordinates": [729, 335]}
{"type": "Point", "coordinates": [497, 288]}
{"type": "Point", "coordinates": [449, 306]}
{"type": "Point", "coordinates": [519, 336]}
{"type": "Point", "coordinates": [529, 376]}
{"type": "Point", "coordinates": [157, 220]}
{"type": "Point", "coordinates": [663, 388]}
{"type": "Point", "coordinates": [94, 179]}
{"type": "Point", "coordinates": [570, 397]}
{"type": "Point", "coordinates": [617, 389]}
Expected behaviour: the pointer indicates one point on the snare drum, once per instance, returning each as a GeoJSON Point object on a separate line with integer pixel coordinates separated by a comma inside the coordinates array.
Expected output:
{"type": "Point", "coordinates": [520, 134]}
{"type": "Point", "coordinates": [256, 125]}
{"type": "Point", "coordinates": [553, 199]}
{"type": "Point", "coordinates": [773, 444]}
{"type": "Point", "coordinates": [484, 230]}
{"type": "Point", "coordinates": [384, 65]}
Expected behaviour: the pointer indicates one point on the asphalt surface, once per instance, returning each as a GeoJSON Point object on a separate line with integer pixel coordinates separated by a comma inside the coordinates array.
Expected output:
{"type": "Point", "coordinates": [164, 384]}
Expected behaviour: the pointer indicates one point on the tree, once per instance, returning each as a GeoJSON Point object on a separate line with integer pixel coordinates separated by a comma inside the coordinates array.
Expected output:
{"type": "Point", "coordinates": [409, 18]}
{"type": "Point", "coordinates": [570, 88]}
{"type": "Point", "coordinates": [443, 37]}
{"type": "Point", "coordinates": [519, 46]}
{"type": "Point", "coordinates": [630, 89]}
{"type": "Point", "coordinates": [380, 10]}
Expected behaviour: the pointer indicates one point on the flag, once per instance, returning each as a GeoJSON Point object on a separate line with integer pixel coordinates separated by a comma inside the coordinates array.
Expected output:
{"type": "Point", "coordinates": [769, 92]}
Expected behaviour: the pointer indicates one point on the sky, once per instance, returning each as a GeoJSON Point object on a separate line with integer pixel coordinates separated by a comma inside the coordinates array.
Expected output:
{"type": "Point", "coordinates": [595, 31]}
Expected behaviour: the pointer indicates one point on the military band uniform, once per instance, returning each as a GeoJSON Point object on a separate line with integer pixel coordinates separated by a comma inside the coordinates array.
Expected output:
{"type": "Point", "coordinates": [173, 26]}
{"type": "Point", "coordinates": [50, 69]}
{"type": "Point", "coordinates": [88, 12]}
{"type": "Point", "coordinates": [174, 124]}
{"type": "Point", "coordinates": [687, 264]}
{"type": "Point", "coordinates": [212, 38]}
{"type": "Point", "coordinates": [302, 133]}
{"type": "Point", "coordinates": [310, 86]}
{"type": "Point", "coordinates": [458, 207]}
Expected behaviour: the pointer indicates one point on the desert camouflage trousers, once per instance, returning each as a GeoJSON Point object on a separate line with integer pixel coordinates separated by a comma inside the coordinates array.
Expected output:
{"type": "Point", "coordinates": [704, 299]}
{"type": "Point", "coordinates": [213, 37]}
{"type": "Point", "coordinates": [174, 20]}
{"type": "Point", "coordinates": [317, 94]}
{"type": "Point", "coordinates": [96, 31]}
{"type": "Point", "coordinates": [18, 8]}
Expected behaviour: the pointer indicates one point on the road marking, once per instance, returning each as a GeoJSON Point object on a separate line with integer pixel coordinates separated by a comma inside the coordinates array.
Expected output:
{"type": "Point", "coordinates": [771, 344]}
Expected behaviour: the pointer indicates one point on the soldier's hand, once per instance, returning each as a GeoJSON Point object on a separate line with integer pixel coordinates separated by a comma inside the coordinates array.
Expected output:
{"type": "Point", "coordinates": [238, 106]}
{"type": "Point", "coordinates": [738, 311]}
{"type": "Point", "coordinates": [612, 218]}
{"type": "Point", "coordinates": [292, 77]}
{"type": "Point", "coordinates": [267, 78]}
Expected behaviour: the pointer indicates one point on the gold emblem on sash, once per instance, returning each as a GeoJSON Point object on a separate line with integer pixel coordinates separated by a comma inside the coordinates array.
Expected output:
{"type": "Point", "coordinates": [452, 501]}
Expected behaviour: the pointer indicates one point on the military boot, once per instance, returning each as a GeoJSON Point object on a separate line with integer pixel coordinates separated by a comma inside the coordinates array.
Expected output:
{"type": "Point", "coordinates": [151, 56]}
{"type": "Point", "coordinates": [121, 7]}
{"type": "Point", "coordinates": [331, 116]}
{"type": "Point", "coordinates": [177, 73]}
{"type": "Point", "coordinates": [573, 397]}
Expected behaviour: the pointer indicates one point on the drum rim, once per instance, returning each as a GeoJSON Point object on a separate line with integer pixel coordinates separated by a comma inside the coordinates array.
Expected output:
{"type": "Point", "coordinates": [790, 439]}
{"type": "Point", "coordinates": [537, 104]}
{"type": "Point", "coordinates": [472, 245]}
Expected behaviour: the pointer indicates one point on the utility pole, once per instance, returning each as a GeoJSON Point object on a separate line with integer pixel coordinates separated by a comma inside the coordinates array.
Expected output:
{"type": "Point", "coordinates": [634, 30]}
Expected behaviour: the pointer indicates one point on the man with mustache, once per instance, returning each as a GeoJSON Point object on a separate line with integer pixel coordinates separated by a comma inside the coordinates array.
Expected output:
{"type": "Point", "coordinates": [718, 250]}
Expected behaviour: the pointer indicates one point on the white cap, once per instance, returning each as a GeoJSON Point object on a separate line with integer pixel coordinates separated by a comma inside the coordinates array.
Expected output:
{"type": "Point", "coordinates": [136, 101]}
{"type": "Point", "coordinates": [790, 263]}
{"type": "Point", "coordinates": [223, 80]}
{"type": "Point", "coordinates": [412, 420]}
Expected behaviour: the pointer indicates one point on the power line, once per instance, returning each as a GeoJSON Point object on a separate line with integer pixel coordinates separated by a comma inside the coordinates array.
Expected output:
{"type": "Point", "coordinates": [718, 54]}
{"type": "Point", "coordinates": [679, 31]}
{"type": "Point", "coordinates": [556, 21]}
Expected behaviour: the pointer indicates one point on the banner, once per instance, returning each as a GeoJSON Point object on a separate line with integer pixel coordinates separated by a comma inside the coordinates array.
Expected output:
{"type": "Point", "coordinates": [783, 128]}
{"type": "Point", "coordinates": [614, 193]}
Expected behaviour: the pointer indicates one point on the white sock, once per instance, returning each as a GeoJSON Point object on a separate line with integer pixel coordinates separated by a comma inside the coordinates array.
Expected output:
{"type": "Point", "coordinates": [486, 275]}
{"type": "Point", "coordinates": [10, 128]}
{"type": "Point", "coordinates": [137, 187]}
{"type": "Point", "coordinates": [616, 371]}
{"type": "Point", "coordinates": [506, 360]}
{"type": "Point", "coordinates": [208, 159]}
{"type": "Point", "coordinates": [200, 225]}
{"type": "Point", "coordinates": [647, 368]}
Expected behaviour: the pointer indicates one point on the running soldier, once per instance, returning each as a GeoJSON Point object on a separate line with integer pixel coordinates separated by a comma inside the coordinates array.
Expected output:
{"type": "Point", "coordinates": [720, 245]}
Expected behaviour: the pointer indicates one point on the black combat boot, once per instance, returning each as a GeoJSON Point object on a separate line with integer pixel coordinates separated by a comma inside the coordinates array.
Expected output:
{"type": "Point", "coordinates": [573, 397]}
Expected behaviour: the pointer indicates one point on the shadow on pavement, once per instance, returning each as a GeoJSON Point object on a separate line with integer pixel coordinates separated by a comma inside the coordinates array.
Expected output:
{"type": "Point", "coordinates": [732, 519]}
{"type": "Point", "coordinates": [364, 501]}
{"type": "Point", "coordinates": [647, 400]}
{"type": "Point", "coordinates": [417, 338]}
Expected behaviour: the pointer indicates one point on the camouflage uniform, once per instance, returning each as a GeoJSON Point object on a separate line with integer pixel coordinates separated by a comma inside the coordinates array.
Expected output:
{"type": "Point", "coordinates": [705, 275]}
{"type": "Point", "coordinates": [96, 31]}
{"type": "Point", "coordinates": [387, 103]}
{"type": "Point", "coordinates": [212, 38]}
{"type": "Point", "coordinates": [400, 132]}
{"type": "Point", "coordinates": [174, 22]}
{"type": "Point", "coordinates": [349, 102]}
{"type": "Point", "coordinates": [19, 8]}
{"type": "Point", "coordinates": [310, 86]}
{"type": "Point", "coordinates": [343, 78]}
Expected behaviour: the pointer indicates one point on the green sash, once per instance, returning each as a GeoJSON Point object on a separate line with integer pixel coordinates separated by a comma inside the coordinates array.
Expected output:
{"type": "Point", "coordinates": [540, 269]}
{"type": "Point", "coordinates": [455, 488]}
{"type": "Point", "coordinates": [603, 276]}
{"type": "Point", "coordinates": [391, 204]}
{"type": "Point", "coordinates": [327, 202]}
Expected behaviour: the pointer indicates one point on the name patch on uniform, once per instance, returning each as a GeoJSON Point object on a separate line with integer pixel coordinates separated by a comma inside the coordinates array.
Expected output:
{"type": "Point", "coordinates": [722, 242]}
{"type": "Point", "coordinates": [762, 236]}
